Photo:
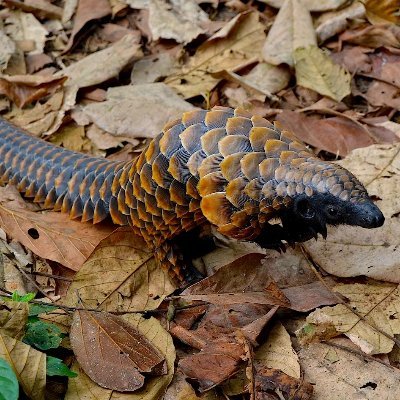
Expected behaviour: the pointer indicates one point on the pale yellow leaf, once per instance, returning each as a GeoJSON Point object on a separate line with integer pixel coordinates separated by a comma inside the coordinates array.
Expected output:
{"type": "Point", "coordinates": [28, 364]}
{"type": "Point", "coordinates": [228, 51]}
{"type": "Point", "coordinates": [13, 317]}
{"type": "Point", "coordinates": [343, 375]}
{"type": "Point", "coordinates": [374, 253]}
{"type": "Point", "coordinates": [277, 352]}
{"type": "Point", "coordinates": [292, 29]}
{"type": "Point", "coordinates": [83, 388]}
{"type": "Point", "coordinates": [315, 70]}
{"type": "Point", "coordinates": [379, 304]}
{"type": "Point", "coordinates": [120, 275]}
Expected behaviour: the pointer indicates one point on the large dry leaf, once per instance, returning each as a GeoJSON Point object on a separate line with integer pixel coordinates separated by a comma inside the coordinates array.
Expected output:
{"type": "Point", "coordinates": [83, 388]}
{"type": "Point", "coordinates": [277, 352]}
{"type": "Point", "coordinates": [245, 280]}
{"type": "Point", "coordinates": [329, 24]}
{"type": "Point", "coordinates": [292, 29]}
{"type": "Point", "coordinates": [112, 352]}
{"type": "Point", "coordinates": [346, 375]}
{"type": "Point", "coordinates": [315, 70]}
{"type": "Point", "coordinates": [28, 364]}
{"type": "Point", "coordinates": [372, 36]}
{"type": "Point", "coordinates": [228, 49]}
{"type": "Point", "coordinates": [374, 253]}
{"type": "Point", "coordinates": [138, 110]}
{"type": "Point", "coordinates": [122, 275]}
{"type": "Point", "coordinates": [25, 27]}
{"type": "Point", "coordinates": [181, 20]}
{"type": "Point", "coordinates": [13, 318]}
{"type": "Point", "coordinates": [41, 8]}
{"type": "Point", "coordinates": [337, 135]}
{"type": "Point", "coordinates": [94, 69]}
{"type": "Point", "coordinates": [7, 49]}
{"type": "Point", "coordinates": [382, 11]}
{"type": "Point", "coordinates": [311, 5]}
{"type": "Point", "coordinates": [50, 235]}
{"type": "Point", "coordinates": [88, 10]}
{"type": "Point", "coordinates": [379, 304]}
{"type": "Point", "coordinates": [24, 89]}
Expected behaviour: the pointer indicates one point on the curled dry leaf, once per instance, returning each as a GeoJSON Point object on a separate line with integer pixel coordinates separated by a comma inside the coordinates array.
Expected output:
{"type": "Point", "coordinates": [371, 36]}
{"type": "Point", "coordinates": [181, 20]}
{"type": "Point", "coordinates": [339, 135]}
{"type": "Point", "coordinates": [112, 352]}
{"type": "Point", "coordinates": [88, 10]}
{"type": "Point", "coordinates": [82, 387]}
{"type": "Point", "coordinates": [316, 70]}
{"type": "Point", "coordinates": [122, 275]}
{"type": "Point", "coordinates": [13, 317]}
{"type": "Point", "coordinates": [373, 253]}
{"type": "Point", "coordinates": [334, 370]}
{"type": "Point", "coordinates": [24, 89]}
{"type": "Point", "coordinates": [292, 29]}
{"type": "Point", "coordinates": [377, 303]}
{"type": "Point", "coordinates": [138, 110]}
{"type": "Point", "coordinates": [50, 235]}
{"type": "Point", "coordinates": [228, 49]}
{"type": "Point", "coordinates": [28, 364]}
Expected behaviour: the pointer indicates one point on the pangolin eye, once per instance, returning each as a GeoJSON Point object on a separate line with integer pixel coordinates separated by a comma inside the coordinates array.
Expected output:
{"type": "Point", "coordinates": [332, 211]}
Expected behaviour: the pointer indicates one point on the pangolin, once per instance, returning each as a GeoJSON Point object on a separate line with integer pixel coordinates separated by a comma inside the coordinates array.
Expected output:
{"type": "Point", "coordinates": [224, 167]}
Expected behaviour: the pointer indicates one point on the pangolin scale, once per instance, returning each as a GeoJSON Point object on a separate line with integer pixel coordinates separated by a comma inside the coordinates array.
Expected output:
{"type": "Point", "coordinates": [224, 167]}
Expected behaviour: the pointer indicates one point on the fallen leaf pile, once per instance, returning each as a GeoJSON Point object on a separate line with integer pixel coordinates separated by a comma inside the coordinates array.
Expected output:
{"type": "Point", "coordinates": [90, 304]}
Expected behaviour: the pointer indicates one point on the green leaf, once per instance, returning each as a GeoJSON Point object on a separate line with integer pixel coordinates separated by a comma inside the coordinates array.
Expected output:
{"type": "Point", "coordinates": [36, 309]}
{"type": "Point", "coordinates": [42, 335]}
{"type": "Point", "coordinates": [9, 387]}
{"type": "Point", "coordinates": [315, 70]}
{"type": "Point", "coordinates": [26, 298]}
{"type": "Point", "coordinates": [55, 366]}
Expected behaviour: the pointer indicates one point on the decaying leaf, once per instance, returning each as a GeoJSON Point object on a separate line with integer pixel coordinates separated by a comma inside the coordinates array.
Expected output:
{"type": "Point", "coordinates": [311, 5]}
{"type": "Point", "coordinates": [112, 352]}
{"type": "Point", "coordinates": [7, 49]}
{"type": "Point", "coordinates": [28, 364]}
{"type": "Point", "coordinates": [292, 29]}
{"type": "Point", "coordinates": [182, 20]}
{"type": "Point", "coordinates": [13, 317]}
{"type": "Point", "coordinates": [371, 36]}
{"type": "Point", "coordinates": [82, 387]}
{"type": "Point", "coordinates": [373, 253]}
{"type": "Point", "coordinates": [377, 303]}
{"type": "Point", "coordinates": [226, 50]}
{"type": "Point", "coordinates": [120, 274]}
{"type": "Point", "coordinates": [138, 110]}
{"type": "Point", "coordinates": [316, 70]}
{"type": "Point", "coordinates": [382, 11]}
{"type": "Point", "coordinates": [50, 235]}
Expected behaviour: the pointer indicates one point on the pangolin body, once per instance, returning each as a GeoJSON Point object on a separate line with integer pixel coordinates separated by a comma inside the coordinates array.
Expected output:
{"type": "Point", "coordinates": [225, 167]}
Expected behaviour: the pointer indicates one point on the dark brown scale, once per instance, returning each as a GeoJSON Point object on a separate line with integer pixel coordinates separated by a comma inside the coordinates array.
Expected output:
{"type": "Point", "coordinates": [223, 167]}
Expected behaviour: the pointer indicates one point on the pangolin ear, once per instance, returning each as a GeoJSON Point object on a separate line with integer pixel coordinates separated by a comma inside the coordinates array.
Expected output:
{"type": "Point", "coordinates": [304, 208]}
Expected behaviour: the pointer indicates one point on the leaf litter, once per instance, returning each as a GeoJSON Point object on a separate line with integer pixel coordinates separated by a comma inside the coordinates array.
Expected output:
{"type": "Point", "coordinates": [103, 77]}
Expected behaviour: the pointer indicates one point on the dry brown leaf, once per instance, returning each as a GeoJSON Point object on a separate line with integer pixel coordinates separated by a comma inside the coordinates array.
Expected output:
{"type": "Point", "coordinates": [25, 89]}
{"type": "Point", "coordinates": [88, 10]}
{"type": "Point", "coordinates": [122, 275]}
{"type": "Point", "coordinates": [245, 280]}
{"type": "Point", "coordinates": [292, 29]}
{"type": "Point", "coordinates": [228, 49]}
{"type": "Point", "coordinates": [50, 235]}
{"type": "Point", "coordinates": [113, 353]}
{"type": "Point", "coordinates": [377, 303]}
{"type": "Point", "coordinates": [382, 11]}
{"type": "Point", "coordinates": [371, 36]}
{"type": "Point", "coordinates": [7, 49]}
{"type": "Point", "coordinates": [41, 8]}
{"type": "Point", "coordinates": [337, 135]}
{"type": "Point", "coordinates": [137, 110]}
{"type": "Point", "coordinates": [181, 20]}
{"type": "Point", "coordinates": [28, 364]}
{"type": "Point", "coordinates": [316, 70]}
{"type": "Point", "coordinates": [373, 253]}
{"type": "Point", "coordinates": [332, 23]}
{"type": "Point", "coordinates": [346, 374]}
{"type": "Point", "coordinates": [83, 388]}
{"type": "Point", "coordinates": [311, 5]}
{"type": "Point", "coordinates": [383, 94]}
{"type": "Point", "coordinates": [13, 317]}
{"type": "Point", "coordinates": [71, 137]}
